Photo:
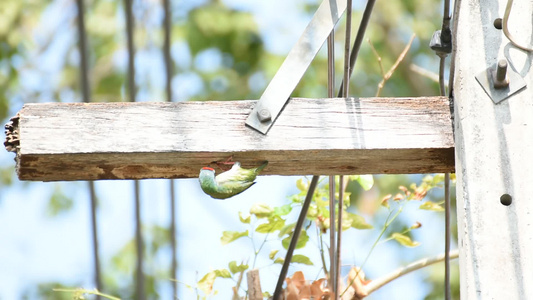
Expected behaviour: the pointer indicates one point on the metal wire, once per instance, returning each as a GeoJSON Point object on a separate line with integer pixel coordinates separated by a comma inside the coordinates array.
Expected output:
{"type": "Point", "coordinates": [359, 38]}
{"type": "Point", "coordinates": [332, 244]}
{"type": "Point", "coordinates": [506, 31]}
{"type": "Point", "coordinates": [295, 236]}
{"type": "Point", "coordinates": [167, 27]}
{"type": "Point", "coordinates": [447, 212]}
{"type": "Point", "coordinates": [139, 274]}
{"type": "Point", "coordinates": [332, 280]}
{"type": "Point", "coordinates": [86, 94]}
{"type": "Point", "coordinates": [345, 93]}
{"type": "Point", "coordinates": [445, 31]}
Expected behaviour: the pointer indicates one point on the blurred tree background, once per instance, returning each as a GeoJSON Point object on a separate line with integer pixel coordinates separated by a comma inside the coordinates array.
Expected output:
{"type": "Point", "coordinates": [221, 50]}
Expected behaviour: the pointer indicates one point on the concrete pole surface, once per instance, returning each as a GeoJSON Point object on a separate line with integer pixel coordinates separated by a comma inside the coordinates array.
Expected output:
{"type": "Point", "coordinates": [494, 154]}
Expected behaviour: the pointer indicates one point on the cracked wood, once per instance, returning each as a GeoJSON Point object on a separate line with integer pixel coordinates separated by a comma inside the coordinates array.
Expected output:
{"type": "Point", "coordinates": [77, 141]}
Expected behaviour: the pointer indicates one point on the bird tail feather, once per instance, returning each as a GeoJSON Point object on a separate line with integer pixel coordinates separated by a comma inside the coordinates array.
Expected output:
{"type": "Point", "coordinates": [261, 167]}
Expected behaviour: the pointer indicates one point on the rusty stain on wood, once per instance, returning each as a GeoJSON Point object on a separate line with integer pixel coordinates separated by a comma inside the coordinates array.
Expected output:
{"type": "Point", "coordinates": [80, 141]}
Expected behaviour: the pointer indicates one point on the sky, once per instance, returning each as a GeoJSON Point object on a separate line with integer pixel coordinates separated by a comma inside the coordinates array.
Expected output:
{"type": "Point", "coordinates": [35, 248]}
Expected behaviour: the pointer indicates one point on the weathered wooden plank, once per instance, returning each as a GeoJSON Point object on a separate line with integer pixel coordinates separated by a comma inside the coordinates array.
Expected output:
{"type": "Point", "coordinates": [494, 156]}
{"type": "Point", "coordinates": [174, 140]}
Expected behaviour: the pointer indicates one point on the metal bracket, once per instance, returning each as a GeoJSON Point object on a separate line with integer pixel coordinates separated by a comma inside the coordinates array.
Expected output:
{"type": "Point", "coordinates": [500, 82]}
{"type": "Point", "coordinates": [296, 63]}
{"type": "Point", "coordinates": [441, 42]}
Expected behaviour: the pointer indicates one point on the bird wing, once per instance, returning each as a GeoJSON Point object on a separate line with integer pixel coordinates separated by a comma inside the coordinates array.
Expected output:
{"type": "Point", "coordinates": [235, 174]}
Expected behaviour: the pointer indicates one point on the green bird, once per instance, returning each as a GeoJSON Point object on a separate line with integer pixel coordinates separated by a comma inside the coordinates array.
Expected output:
{"type": "Point", "coordinates": [230, 183]}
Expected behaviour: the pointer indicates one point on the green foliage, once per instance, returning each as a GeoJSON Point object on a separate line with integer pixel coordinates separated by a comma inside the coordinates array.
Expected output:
{"type": "Point", "coordinates": [79, 294]}
{"type": "Point", "coordinates": [230, 236]}
{"type": "Point", "coordinates": [59, 202]}
{"type": "Point", "coordinates": [357, 222]}
{"type": "Point", "coordinates": [302, 240]}
{"type": "Point", "coordinates": [301, 259]}
{"type": "Point", "coordinates": [234, 268]}
{"type": "Point", "coordinates": [428, 205]}
{"type": "Point", "coordinates": [264, 220]}
{"type": "Point", "coordinates": [404, 240]}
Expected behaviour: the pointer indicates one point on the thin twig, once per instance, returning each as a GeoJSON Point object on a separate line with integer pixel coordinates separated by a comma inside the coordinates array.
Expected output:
{"type": "Point", "coordinates": [425, 73]}
{"type": "Point", "coordinates": [378, 283]}
{"type": "Point", "coordinates": [391, 71]}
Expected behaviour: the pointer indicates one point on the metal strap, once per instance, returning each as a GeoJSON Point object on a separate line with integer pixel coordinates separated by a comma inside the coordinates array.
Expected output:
{"type": "Point", "coordinates": [296, 63]}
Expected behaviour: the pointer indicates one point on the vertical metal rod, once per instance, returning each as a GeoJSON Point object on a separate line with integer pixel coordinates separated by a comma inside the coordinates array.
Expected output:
{"type": "Point", "coordinates": [86, 94]}
{"type": "Point", "coordinates": [447, 211]}
{"type": "Point", "coordinates": [339, 236]}
{"type": "Point", "coordinates": [345, 93]}
{"type": "Point", "coordinates": [167, 26]}
{"type": "Point", "coordinates": [359, 37]}
{"type": "Point", "coordinates": [347, 68]}
{"type": "Point", "coordinates": [139, 274]}
{"type": "Point", "coordinates": [295, 236]}
{"type": "Point", "coordinates": [332, 279]}
{"type": "Point", "coordinates": [139, 278]}
{"type": "Point", "coordinates": [332, 249]}
{"type": "Point", "coordinates": [442, 85]}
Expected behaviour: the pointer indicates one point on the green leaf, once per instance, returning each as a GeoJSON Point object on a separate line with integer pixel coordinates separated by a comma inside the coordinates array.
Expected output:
{"type": "Point", "coordinates": [301, 185]}
{"type": "Point", "coordinates": [273, 224]}
{"type": "Point", "coordinates": [366, 181]}
{"type": "Point", "coordinates": [223, 273]}
{"type": "Point", "coordinates": [302, 240]}
{"type": "Point", "coordinates": [438, 178]}
{"type": "Point", "coordinates": [230, 236]}
{"type": "Point", "coordinates": [404, 240]}
{"type": "Point", "coordinates": [234, 268]}
{"type": "Point", "coordinates": [279, 260]}
{"type": "Point", "coordinates": [206, 283]}
{"type": "Point", "coordinates": [301, 259]}
{"type": "Point", "coordinates": [266, 295]}
{"type": "Point", "coordinates": [359, 222]}
{"type": "Point", "coordinates": [429, 205]}
{"type": "Point", "coordinates": [282, 210]}
{"type": "Point", "coordinates": [272, 254]}
{"type": "Point", "coordinates": [261, 210]}
{"type": "Point", "coordinates": [286, 229]}
{"type": "Point", "coordinates": [59, 202]}
{"type": "Point", "coordinates": [245, 220]}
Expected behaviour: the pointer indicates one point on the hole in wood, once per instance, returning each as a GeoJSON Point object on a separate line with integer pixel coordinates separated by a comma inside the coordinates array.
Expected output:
{"type": "Point", "coordinates": [506, 199]}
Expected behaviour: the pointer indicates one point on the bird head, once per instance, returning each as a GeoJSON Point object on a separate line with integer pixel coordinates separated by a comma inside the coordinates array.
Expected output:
{"type": "Point", "coordinates": [207, 172]}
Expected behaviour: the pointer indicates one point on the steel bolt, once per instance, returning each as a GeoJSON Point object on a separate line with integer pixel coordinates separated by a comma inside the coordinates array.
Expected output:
{"type": "Point", "coordinates": [264, 115]}
{"type": "Point", "coordinates": [499, 78]}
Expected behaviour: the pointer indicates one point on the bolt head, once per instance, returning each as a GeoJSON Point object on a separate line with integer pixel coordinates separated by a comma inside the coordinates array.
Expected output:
{"type": "Point", "coordinates": [264, 115]}
{"type": "Point", "coordinates": [506, 199]}
{"type": "Point", "coordinates": [498, 23]}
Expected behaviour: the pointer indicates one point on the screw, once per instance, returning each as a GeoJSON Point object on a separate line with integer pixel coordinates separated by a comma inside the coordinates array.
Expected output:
{"type": "Point", "coordinates": [498, 23]}
{"type": "Point", "coordinates": [506, 199]}
{"type": "Point", "coordinates": [499, 77]}
{"type": "Point", "coordinates": [264, 115]}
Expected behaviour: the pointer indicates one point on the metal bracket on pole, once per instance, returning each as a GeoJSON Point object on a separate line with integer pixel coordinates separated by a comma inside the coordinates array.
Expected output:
{"type": "Point", "coordinates": [296, 63]}
{"type": "Point", "coordinates": [500, 82]}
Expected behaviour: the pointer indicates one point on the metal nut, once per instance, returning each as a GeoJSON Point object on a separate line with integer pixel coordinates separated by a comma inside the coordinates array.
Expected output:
{"type": "Point", "coordinates": [264, 115]}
